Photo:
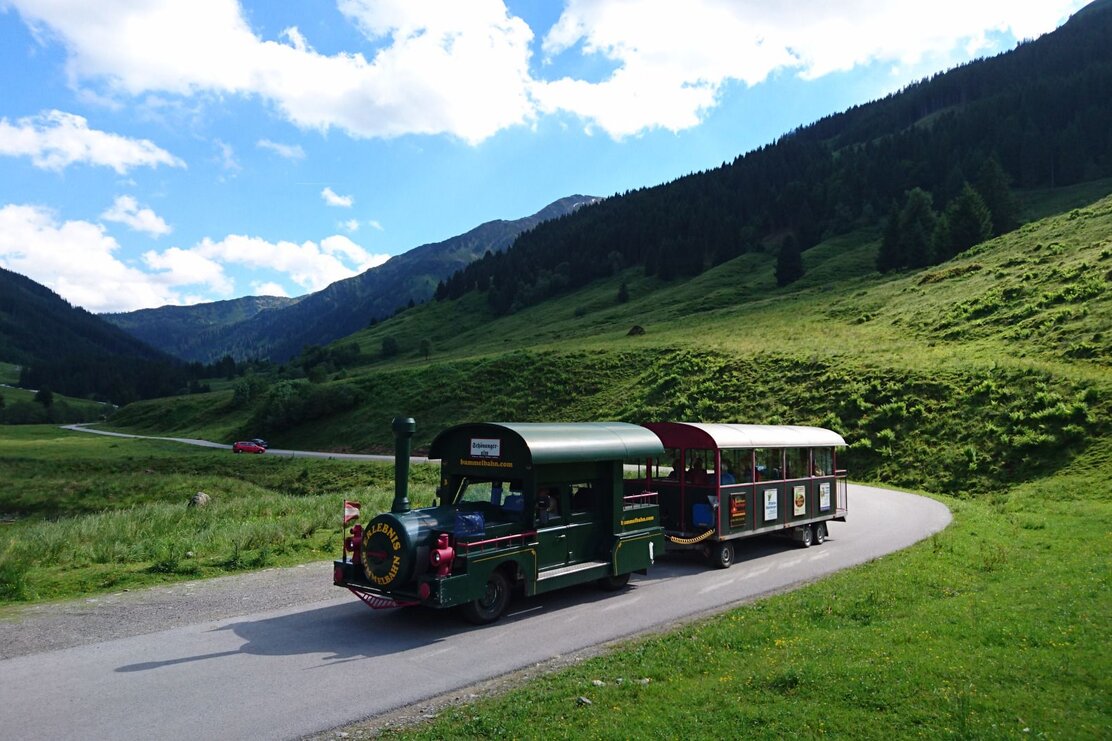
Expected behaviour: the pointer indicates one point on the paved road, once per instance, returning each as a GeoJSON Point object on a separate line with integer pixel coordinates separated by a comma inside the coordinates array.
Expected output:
{"type": "Point", "coordinates": [314, 661]}
{"type": "Point", "coordinates": [270, 451]}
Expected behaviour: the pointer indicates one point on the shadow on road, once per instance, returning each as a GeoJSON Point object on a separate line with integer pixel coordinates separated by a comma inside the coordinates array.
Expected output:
{"type": "Point", "coordinates": [349, 631]}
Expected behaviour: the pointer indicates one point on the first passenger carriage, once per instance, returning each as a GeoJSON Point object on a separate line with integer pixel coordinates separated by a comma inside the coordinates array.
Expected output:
{"type": "Point", "coordinates": [543, 506]}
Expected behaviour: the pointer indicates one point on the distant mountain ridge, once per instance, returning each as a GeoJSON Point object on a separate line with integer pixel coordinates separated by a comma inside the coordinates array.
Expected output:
{"type": "Point", "coordinates": [185, 331]}
{"type": "Point", "coordinates": [277, 329]}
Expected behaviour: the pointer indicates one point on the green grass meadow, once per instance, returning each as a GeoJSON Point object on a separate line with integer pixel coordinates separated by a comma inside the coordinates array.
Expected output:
{"type": "Point", "coordinates": [84, 514]}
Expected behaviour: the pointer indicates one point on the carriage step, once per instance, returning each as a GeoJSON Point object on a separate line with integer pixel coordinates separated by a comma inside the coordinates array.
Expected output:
{"type": "Point", "coordinates": [575, 568]}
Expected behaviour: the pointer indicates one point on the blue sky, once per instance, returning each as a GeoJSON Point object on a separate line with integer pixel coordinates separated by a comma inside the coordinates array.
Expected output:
{"type": "Point", "coordinates": [167, 152]}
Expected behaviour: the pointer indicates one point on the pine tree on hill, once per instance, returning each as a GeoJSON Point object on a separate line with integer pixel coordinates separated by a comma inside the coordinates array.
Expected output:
{"type": "Point", "coordinates": [917, 224]}
{"type": "Point", "coordinates": [969, 222]}
{"type": "Point", "coordinates": [789, 263]}
{"type": "Point", "coordinates": [992, 183]}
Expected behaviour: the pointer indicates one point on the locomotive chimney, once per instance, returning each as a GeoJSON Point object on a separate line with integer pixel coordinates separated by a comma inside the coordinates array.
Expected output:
{"type": "Point", "coordinates": [403, 431]}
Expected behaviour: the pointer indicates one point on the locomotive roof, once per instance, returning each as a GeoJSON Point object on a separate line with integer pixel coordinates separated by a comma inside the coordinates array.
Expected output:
{"type": "Point", "coordinates": [563, 442]}
{"type": "Point", "coordinates": [720, 435]}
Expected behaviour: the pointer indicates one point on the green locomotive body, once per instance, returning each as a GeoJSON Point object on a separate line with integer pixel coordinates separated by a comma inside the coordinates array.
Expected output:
{"type": "Point", "coordinates": [529, 505]}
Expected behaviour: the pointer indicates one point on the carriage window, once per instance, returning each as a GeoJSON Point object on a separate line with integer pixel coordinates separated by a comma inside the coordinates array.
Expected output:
{"type": "Point", "coordinates": [797, 463]}
{"type": "Point", "coordinates": [823, 464]}
{"type": "Point", "coordinates": [700, 467]}
{"type": "Point", "coordinates": [670, 466]}
{"type": "Point", "coordinates": [736, 467]}
{"type": "Point", "coordinates": [769, 463]}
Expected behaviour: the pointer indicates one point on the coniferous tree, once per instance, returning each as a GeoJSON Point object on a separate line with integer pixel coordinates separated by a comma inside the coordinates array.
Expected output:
{"type": "Point", "coordinates": [917, 225]}
{"type": "Point", "coordinates": [992, 184]}
{"type": "Point", "coordinates": [889, 257]}
{"type": "Point", "coordinates": [623, 293]}
{"type": "Point", "coordinates": [969, 223]}
{"type": "Point", "coordinates": [789, 263]}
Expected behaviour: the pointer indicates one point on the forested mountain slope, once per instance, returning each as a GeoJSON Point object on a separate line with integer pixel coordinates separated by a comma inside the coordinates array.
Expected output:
{"type": "Point", "coordinates": [71, 351]}
{"type": "Point", "coordinates": [1039, 116]}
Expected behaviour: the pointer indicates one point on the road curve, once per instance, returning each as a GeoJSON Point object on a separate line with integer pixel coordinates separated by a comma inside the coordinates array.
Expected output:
{"type": "Point", "coordinates": [130, 667]}
{"type": "Point", "coordinates": [83, 427]}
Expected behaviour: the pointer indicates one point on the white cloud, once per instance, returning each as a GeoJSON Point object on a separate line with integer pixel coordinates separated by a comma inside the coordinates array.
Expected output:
{"type": "Point", "coordinates": [76, 259]}
{"type": "Point", "coordinates": [446, 67]}
{"type": "Point", "coordinates": [125, 210]}
{"type": "Point", "coordinates": [334, 199]}
{"type": "Point", "coordinates": [374, 224]}
{"type": "Point", "coordinates": [179, 267]}
{"type": "Point", "coordinates": [55, 140]}
{"type": "Point", "coordinates": [309, 264]}
{"type": "Point", "coordinates": [438, 66]}
{"type": "Point", "coordinates": [226, 156]}
{"type": "Point", "coordinates": [672, 59]}
{"type": "Point", "coordinates": [268, 289]}
{"type": "Point", "coordinates": [351, 225]}
{"type": "Point", "coordinates": [289, 151]}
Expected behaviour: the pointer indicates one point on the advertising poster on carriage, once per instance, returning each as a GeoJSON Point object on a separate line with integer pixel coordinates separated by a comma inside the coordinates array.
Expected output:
{"type": "Point", "coordinates": [824, 496]}
{"type": "Point", "coordinates": [799, 500]}
{"type": "Point", "coordinates": [737, 510]}
{"type": "Point", "coordinates": [770, 504]}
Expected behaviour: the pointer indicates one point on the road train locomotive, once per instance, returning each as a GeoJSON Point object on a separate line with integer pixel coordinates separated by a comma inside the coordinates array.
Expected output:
{"type": "Point", "coordinates": [540, 506]}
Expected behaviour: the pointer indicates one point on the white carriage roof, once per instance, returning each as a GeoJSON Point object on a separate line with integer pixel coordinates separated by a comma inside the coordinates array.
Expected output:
{"type": "Point", "coordinates": [746, 436]}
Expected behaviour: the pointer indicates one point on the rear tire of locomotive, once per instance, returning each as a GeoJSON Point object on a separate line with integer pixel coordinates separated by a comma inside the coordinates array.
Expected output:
{"type": "Point", "coordinates": [722, 555]}
{"type": "Point", "coordinates": [820, 533]}
{"type": "Point", "coordinates": [491, 605]}
{"type": "Point", "coordinates": [613, 583]}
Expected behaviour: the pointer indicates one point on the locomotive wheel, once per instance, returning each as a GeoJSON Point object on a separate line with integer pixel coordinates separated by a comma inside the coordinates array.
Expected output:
{"type": "Point", "coordinates": [614, 583]}
{"type": "Point", "coordinates": [492, 604]}
{"type": "Point", "coordinates": [722, 555]}
{"type": "Point", "coordinates": [820, 533]}
{"type": "Point", "coordinates": [806, 536]}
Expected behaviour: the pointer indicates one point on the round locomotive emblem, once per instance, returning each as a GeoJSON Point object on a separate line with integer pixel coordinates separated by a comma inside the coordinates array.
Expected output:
{"type": "Point", "coordinates": [383, 553]}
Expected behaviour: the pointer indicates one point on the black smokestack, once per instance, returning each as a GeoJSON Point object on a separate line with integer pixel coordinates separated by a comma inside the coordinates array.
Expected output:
{"type": "Point", "coordinates": [403, 431]}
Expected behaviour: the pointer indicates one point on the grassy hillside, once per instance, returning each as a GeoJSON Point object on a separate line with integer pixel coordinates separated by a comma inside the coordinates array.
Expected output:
{"type": "Point", "coordinates": [987, 370]}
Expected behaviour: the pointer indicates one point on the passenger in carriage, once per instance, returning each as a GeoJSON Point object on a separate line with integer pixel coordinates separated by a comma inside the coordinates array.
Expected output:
{"type": "Point", "coordinates": [697, 474]}
{"type": "Point", "coordinates": [727, 476]}
{"type": "Point", "coordinates": [677, 468]}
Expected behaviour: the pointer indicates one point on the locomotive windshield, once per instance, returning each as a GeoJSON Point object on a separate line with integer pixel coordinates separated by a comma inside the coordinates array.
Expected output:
{"type": "Point", "coordinates": [470, 492]}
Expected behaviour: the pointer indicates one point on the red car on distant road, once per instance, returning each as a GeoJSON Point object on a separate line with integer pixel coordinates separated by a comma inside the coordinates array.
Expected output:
{"type": "Point", "coordinates": [247, 446]}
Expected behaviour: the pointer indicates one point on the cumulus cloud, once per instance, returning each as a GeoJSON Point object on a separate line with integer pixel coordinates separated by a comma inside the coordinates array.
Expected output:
{"type": "Point", "coordinates": [671, 60]}
{"type": "Point", "coordinates": [54, 140]}
{"type": "Point", "coordinates": [126, 210]}
{"type": "Point", "coordinates": [446, 67]}
{"type": "Point", "coordinates": [309, 264]}
{"type": "Point", "coordinates": [289, 151]}
{"type": "Point", "coordinates": [79, 261]}
{"type": "Point", "coordinates": [334, 199]}
{"type": "Point", "coordinates": [76, 259]}
{"type": "Point", "coordinates": [351, 225]}
{"type": "Point", "coordinates": [268, 289]}
{"type": "Point", "coordinates": [438, 67]}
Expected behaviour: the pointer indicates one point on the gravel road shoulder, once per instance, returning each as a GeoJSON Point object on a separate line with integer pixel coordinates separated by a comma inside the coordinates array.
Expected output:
{"type": "Point", "coordinates": [57, 625]}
